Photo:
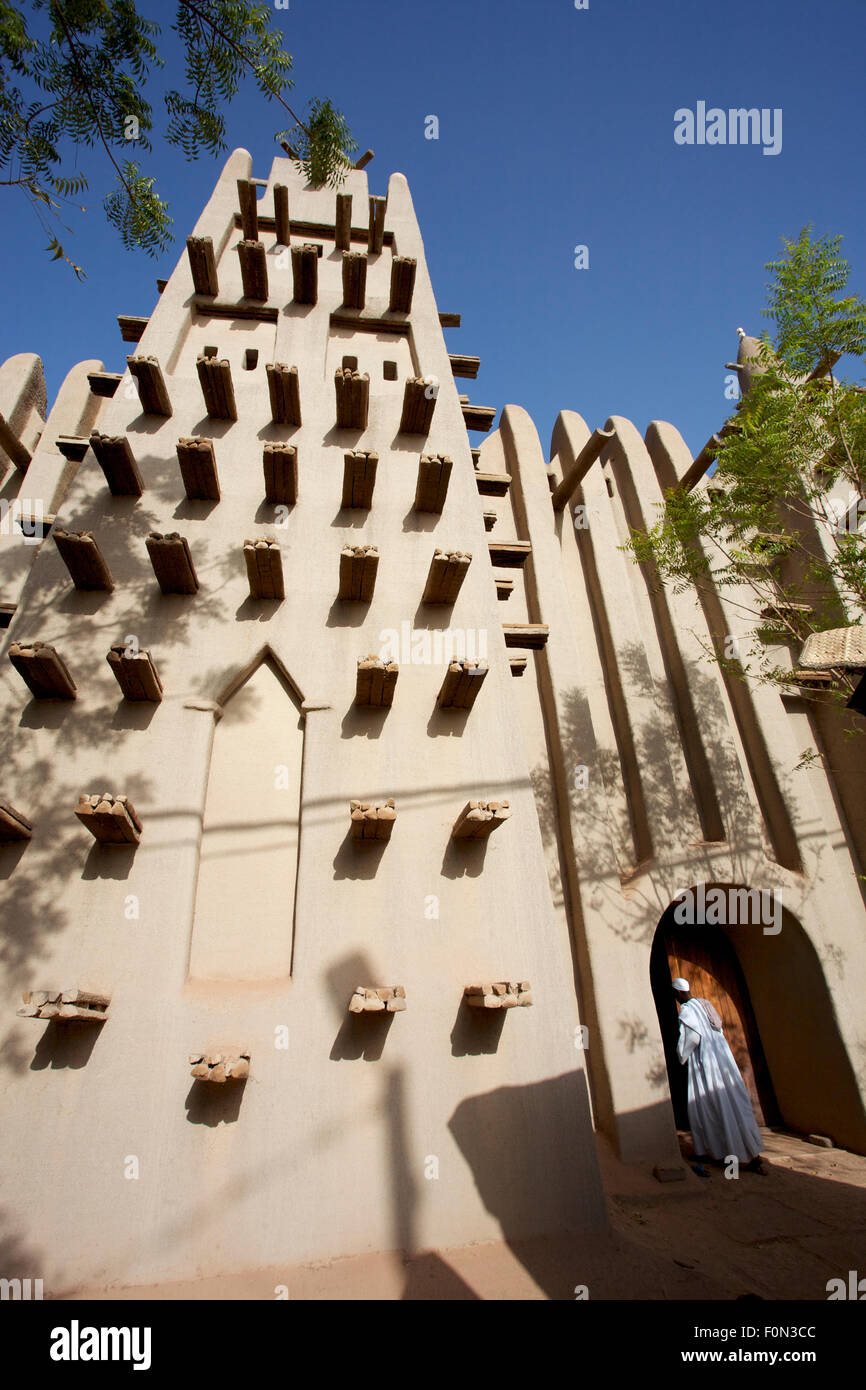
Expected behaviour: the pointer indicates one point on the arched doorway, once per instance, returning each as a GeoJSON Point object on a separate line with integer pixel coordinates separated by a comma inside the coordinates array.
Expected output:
{"type": "Point", "coordinates": [704, 955]}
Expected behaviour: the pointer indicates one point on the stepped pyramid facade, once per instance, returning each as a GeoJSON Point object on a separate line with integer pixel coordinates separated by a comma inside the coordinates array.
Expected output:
{"type": "Point", "coordinates": [350, 774]}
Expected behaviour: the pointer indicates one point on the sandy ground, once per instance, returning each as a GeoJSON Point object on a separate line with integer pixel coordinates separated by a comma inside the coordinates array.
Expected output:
{"type": "Point", "coordinates": [780, 1236]}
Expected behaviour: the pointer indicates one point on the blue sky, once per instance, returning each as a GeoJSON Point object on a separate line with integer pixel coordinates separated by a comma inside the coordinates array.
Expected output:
{"type": "Point", "coordinates": [556, 129]}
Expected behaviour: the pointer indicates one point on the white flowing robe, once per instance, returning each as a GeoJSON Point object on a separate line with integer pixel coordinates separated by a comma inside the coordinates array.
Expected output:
{"type": "Point", "coordinates": [720, 1113]}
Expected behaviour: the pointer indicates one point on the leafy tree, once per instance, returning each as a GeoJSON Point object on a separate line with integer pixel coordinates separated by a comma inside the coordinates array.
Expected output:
{"type": "Point", "coordinates": [781, 526]}
{"type": "Point", "coordinates": [74, 73]}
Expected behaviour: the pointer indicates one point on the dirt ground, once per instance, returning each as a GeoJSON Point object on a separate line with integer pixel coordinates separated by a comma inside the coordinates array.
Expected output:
{"type": "Point", "coordinates": [780, 1236]}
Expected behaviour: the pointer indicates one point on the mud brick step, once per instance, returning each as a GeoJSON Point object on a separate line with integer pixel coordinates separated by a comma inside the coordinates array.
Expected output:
{"type": "Point", "coordinates": [372, 822]}
{"type": "Point", "coordinates": [419, 402]}
{"type": "Point", "coordinates": [285, 393]}
{"type": "Point", "coordinates": [280, 462]}
{"type": "Point", "coordinates": [461, 685]}
{"type": "Point", "coordinates": [376, 681]}
{"type": "Point", "coordinates": [110, 819]}
{"type": "Point", "coordinates": [152, 390]}
{"type": "Point", "coordinates": [135, 673]}
{"type": "Point", "coordinates": [13, 825]}
{"type": "Point", "coordinates": [446, 574]}
{"type": "Point", "coordinates": [359, 479]}
{"type": "Point", "coordinates": [254, 269]}
{"type": "Point", "coordinates": [305, 273]}
{"type": "Point", "coordinates": [43, 669]}
{"type": "Point", "coordinates": [264, 568]}
{"type": "Point", "coordinates": [478, 819]}
{"type": "Point", "coordinates": [389, 999]}
{"type": "Point", "coordinates": [202, 263]}
{"type": "Point", "coordinates": [215, 376]}
{"type": "Point", "coordinates": [434, 472]}
{"type": "Point", "coordinates": [113, 453]}
{"type": "Point", "coordinates": [358, 567]}
{"type": "Point", "coordinates": [198, 469]}
{"type": "Point", "coordinates": [402, 284]}
{"type": "Point", "coordinates": [353, 399]}
{"type": "Point", "coordinates": [172, 563]}
{"type": "Point", "coordinates": [83, 558]}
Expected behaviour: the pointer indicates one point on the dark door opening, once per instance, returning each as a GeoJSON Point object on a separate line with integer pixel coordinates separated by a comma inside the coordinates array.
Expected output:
{"type": "Point", "coordinates": [706, 958]}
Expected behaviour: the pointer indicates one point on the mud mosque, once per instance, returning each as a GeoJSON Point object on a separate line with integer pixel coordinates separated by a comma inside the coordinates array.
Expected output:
{"type": "Point", "coordinates": [312, 947]}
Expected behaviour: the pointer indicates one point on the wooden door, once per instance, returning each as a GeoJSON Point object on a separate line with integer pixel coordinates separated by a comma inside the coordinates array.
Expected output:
{"type": "Point", "coordinates": [704, 956]}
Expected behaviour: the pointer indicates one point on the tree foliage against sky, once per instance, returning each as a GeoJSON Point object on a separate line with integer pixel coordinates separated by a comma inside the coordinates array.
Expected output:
{"type": "Point", "coordinates": [782, 527]}
{"type": "Point", "coordinates": [74, 73]}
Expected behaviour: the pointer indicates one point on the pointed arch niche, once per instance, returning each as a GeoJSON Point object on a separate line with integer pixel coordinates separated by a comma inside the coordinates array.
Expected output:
{"type": "Point", "coordinates": [243, 926]}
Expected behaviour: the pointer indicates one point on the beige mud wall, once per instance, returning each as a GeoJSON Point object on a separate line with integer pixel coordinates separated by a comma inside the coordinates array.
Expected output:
{"type": "Point", "coordinates": [689, 778]}
{"type": "Point", "coordinates": [334, 1144]}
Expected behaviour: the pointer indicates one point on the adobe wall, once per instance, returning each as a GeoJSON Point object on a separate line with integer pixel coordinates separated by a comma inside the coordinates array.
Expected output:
{"type": "Point", "coordinates": [325, 1150]}
{"type": "Point", "coordinates": [686, 777]}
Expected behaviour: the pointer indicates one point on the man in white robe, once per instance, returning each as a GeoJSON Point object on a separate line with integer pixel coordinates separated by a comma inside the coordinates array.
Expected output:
{"type": "Point", "coordinates": [720, 1113]}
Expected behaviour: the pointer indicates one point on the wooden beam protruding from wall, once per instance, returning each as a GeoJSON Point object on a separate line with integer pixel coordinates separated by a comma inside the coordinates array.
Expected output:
{"type": "Point", "coordinates": [13, 825]}
{"type": "Point", "coordinates": [359, 479]}
{"type": "Point", "coordinates": [84, 560]}
{"type": "Point", "coordinates": [505, 994]}
{"type": "Point", "coordinates": [135, 673]}
{"type": "Point", "coordinates": [464, 366]}
{"type": "Point", "coordinates": [284, 389]}
{"type": "Point", "coordinates": [264, 568]}
{"type": "Point", "coordinates": [172, 563]}
{"type": "Point", "coordinates": [376, 681]}
{"type": "Point", "coordinates": [198, 469]}
{"type": "Point", "coordinates": [215, 376]}
{"type": "Point", "coordinates": [65, 1006]}
{"type": "Point", "coordinates": [305, 273]}
{"type": "Point", "coordinates": [403, 270]}
{"type": "Point", "coordinates": [280, 462]}
{"type": "Point", "coordinates": [461, 685]}
{"type": "Point", "coordinates": [591, 450]}
{"type": "Point", "coordinates": [419, 402]}
{"type": "Point", "coordinates": [113, 453]}
{"type": "Point", "coordinates": [478, 819]}
{"type": "Point", "coordinates": [370, 822]}
{"type": "Point", "coordinates": [434, 471]}
{"type": "Point", "coordinates": [202, 263]}
{"type": "Point", "coordinates": [376, 233]}
{"type": "Point", "coordinates": [354, 279]}
{"type": "Point", "coordinates": [446, 574]}
{"type": "Point", "coordinates": [353, 399]}
{"type": "Point", "coordinates": [132, 327]}
{"type": "Point", "coordinates": [478, 417]}
{"type": "Point", "coordinates": [219, 1067]}
{"type": "Point", "coordinates": [343, 222]}
{"type": "Point", "coordinates": [248, 203]}
{"type": "Point", "coordinates": [111, 820]}
{"type": "Point", "coordinates": [389, 999]}
{"type": "Point", "coordinates": [358, 567]}
{"type": "Point", "coordinates": [254, 269]}
{"type": "Point", "coordinates": [152, 390]}
{"type": "Point", "coordinates": [282, 223]}
{"type": "Point", "coordinates": [43, 669]}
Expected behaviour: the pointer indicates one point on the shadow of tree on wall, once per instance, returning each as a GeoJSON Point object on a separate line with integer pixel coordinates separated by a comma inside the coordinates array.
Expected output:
{"type": "Point", "coordinates": [639, 899]}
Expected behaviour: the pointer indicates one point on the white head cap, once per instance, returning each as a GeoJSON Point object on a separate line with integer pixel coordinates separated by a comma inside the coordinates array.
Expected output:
{"type": "Point", "coordinates": [682, 985]}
